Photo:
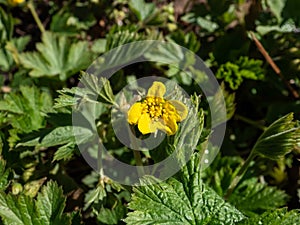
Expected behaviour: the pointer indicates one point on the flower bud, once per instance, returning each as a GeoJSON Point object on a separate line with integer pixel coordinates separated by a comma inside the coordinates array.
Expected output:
{"type": "Point", "coordinates": [16, 188]}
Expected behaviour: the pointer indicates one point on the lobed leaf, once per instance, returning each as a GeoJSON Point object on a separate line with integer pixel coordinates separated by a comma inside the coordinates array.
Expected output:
{"type": "Point", "coordinates": [276, 217]}
{"type": "Point", "coordinates": [234, 73]}
{"type": "Point", "coordinates": [21, 107]}
{"type": "Point", "coordinates": [279, 138]}
{"type": "Point", "coordinates": [252, 197]}
{"type": "Point", "coordinates": [185, 200]}
{"type": "Point", "coordinates": [57, 56]}
{"type": "Point", "coordinates": [23, 210]}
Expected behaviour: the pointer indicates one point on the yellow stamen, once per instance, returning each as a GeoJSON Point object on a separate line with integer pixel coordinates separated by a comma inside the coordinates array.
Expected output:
{"type": "Point", "coordinates": [154, 112]}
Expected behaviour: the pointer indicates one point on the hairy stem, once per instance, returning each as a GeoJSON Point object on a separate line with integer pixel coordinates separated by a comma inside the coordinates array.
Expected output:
{"type": "Point", "coordinates": [99, 160]}
{"type": "Point", "coordinates": [35, 16]}
{"type": "Point", "coordinates": [136, 154]}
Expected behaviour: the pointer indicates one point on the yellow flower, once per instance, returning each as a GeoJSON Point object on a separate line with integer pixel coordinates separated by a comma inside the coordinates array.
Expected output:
{"type": "Point", "coordinates": [15, 2]}
{"type": "Point", "coordinates": [154, 112]}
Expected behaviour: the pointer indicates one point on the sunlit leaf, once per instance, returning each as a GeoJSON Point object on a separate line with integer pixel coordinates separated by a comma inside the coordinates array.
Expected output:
{"type": "Point", "coordinates": [279, 138]}
{"type": "Point", "coordinates": [252, 197]}
{"type": "Point", "coordinates": [46, 209]}
{"type": "Point", "coordinates": [58, 56]}
{"type": "Point", "coordinates": [234, 73]}
{"type": "Point", "coordinates": [10, 52]}
{"type": "Point", "coordinates": [21, 107]}
{"type": "Point", "coordinates": [185, 200]}
{"type": "Point", "coordinates": [276, 217]}
{"type": "Point", "coordinates": [144, 11]}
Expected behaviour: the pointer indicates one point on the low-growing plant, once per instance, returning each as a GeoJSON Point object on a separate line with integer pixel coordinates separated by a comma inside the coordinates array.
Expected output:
{"type": "Point", "coordinates": [64, 121]}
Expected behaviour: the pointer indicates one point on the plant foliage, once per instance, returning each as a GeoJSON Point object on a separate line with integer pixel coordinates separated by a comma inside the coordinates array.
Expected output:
{"type": "Point", "coordinates": [46, 209]}
{"type": "Point", "coordinates": [69, 75]}
{"type": "Point", "coordinates": [185, 201]}
{"type": "Point", "coordinates": [57, 56]}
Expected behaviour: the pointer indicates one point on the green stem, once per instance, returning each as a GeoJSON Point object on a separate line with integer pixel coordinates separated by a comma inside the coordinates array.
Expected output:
{"type": "Point", "coordinates": [139, 163]}
{"type": "Point", "coordinates": [36, 17]}
{"type": "Point", "coordinates": [99, 160]}
{"type": "Point", "coordinates": [251, 122]}
{"type": "Point", "coordinates": [240, 175]}
{"type": "Point", "coordinates": [137, 155]}
{"type": "Point", "coordinates": [138, 158]}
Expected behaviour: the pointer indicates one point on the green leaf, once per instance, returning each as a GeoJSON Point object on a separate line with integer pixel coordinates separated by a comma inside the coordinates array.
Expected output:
{"type": "Point", "coordinates": [252, 197]}
{"type": "Point", "coordinates": [144, 11]}
{"type": "Point", "coordinates": [59, 24]}
{"type": "Point", "coordinates": [50, 204]}
{"type": "Point", "coordinates": [57, 56]}
{"type": "Point", "coordinates": [234, 73]}
{"type": "Point", "coordinates": [58, 136]}
{"type": "Point", "coordinates": [94, 90]}
{"type": "Point", "coordinates": [187, 40]}
{"type": "Point", "coordinates": [17, 210]}
{"type": "Point", "coordinates": [37, 138]}
{"type": "Point", "coordinates": [72, 23]}
{"type": "Point", "coordinates": [31, 188]}
{"type": "Point", "coordinates": [118, 36]}
{"type": "Point", "coordinates": [122, 55]}
{"type": "Point", "coordinates": [229, 102]}
{"type": "Point", "coordinates": [23, 210]}
{"type": "Point", "coordinates": [65, 152]}
{"type": "Point", "coordinates": [207, 24]}
{"type": "Point", "coordinates": [277, 7]}
{"type": "Point", "coordinates": [99, 45]}
{"type": "Point", "coordinates": [276, 217]}
{"type": "Point", "coordinates": [30, 102]}
{"type": "Point", "coordinates": [63, 135]}
{"type": "Point", "coordinates": [279, 138]}
{"type": "Point", "coordinates": [67, 97]}
{"type": "Point", "coordinates": [221, 172]}
{"type": "Point", "coordinates": [185, 200]}
{"type": "Point", "coordinates": [94, 196]}
{"type": "Point", "coordinates": [91, 179]}
{"type": "Point", "coordinates": [4, 175]}
{"type": "Point", "coordinates": [9, 53]}
{"type": "Point", "coordinates": [111, 216]}
{"type": "Point", "coordinates": [287, 27]}
{"type": "Point", "coordinates": [98, 87]}
{"type": "Point", "coordinates": [6, 26]}
{"type": "Point", "coordinates": [21, 107]}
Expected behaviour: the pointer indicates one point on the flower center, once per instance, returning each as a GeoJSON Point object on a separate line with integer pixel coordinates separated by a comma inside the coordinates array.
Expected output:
{"type": "Point", "coordinates": [155, 107]}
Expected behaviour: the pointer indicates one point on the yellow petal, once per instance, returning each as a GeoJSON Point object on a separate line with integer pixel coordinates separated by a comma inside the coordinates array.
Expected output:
{"type": "Point", "coordinates": [15, 2]}
{"type": "Point", "coordinates": [144, 124]}
{"type": "Point", "coordinates": [171, 125]}
{"type": "Point", "coordinates": [157, 89]}
{"type": "Point", "coordinates": [134, 113]}
{"type": "Point", "coordinates": [159, 124]}
{"type": "Point", "coordinates": [181, 109]}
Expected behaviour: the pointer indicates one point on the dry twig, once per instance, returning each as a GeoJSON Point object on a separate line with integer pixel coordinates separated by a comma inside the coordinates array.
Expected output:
{"type": "Point", "coordinates": [273, 65]}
